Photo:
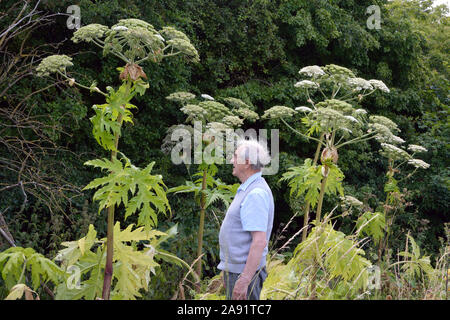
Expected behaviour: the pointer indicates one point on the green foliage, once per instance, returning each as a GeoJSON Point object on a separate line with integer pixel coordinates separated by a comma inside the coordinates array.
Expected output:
{"type": "Point", "coordinates": [135, 251]}
{"type": "Point", "coordinates": [372, 224]}
{"type": "Point", "coordinates": [342, 273]}
{"type": "Point", "coordinates": [18, 263]}
{"type": "Point", "coordinates": [146, 190]}
{"type": "Point", "coordinates": [308, 178]}
{"type": "Point", "coordinates": [416, 264]}
{"type": "Point", "coordinates": [215, 189]}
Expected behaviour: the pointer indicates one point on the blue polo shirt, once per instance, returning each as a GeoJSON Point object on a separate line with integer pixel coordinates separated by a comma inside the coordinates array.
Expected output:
{"type": "Point", "coordinates": [255, 207]}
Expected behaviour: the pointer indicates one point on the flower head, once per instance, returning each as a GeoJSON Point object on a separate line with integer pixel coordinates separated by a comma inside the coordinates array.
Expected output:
{"type": "Point", "coordinates": [335, 70]}
{"type": "Point", "coordinates": [247, 114]}
{"type": "Point", "coordinates": [303, 109]}
{"type": "Point", "coordinates": [351, 201]}
{"type": "Point", "coordinates": [53, 64]}
{"type": "Point", "coordinates": [392, 152]}
{"type": "Point", "coordinates": [119, 28]}
{"type": "Point", "coordinates": [416, 148]}
{"type": "Point", "coordinates": [207, 97]}
{"type": "Point", "coordinates": [306, 84]}
{"type": "Point", "coordinates": [360, 111]}
{"type": "Point", "coordinates": [386, 122]}
{"type": "Point", "coordinates": [181, 96]}
{"type": "Point", "coordinates": [378, 84]}
{"type": "Point", "coordinates": [312, 71]}
{"type": "Point", "coordinates": [194, 112]}
{"type": "Point", "coordinates": [278, 112]}
{"type": "Point", "coordinates": [419, 163]}
{"type": "Point", "coordinates": [89, 33]}
{"type": "Point", "coordinates": [232, 121]}
{"type": "Point", "coordinates": [359, 84]}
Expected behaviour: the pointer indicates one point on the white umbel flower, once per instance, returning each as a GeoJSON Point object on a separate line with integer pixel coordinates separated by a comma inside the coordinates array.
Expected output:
{"type": "Point", "coordinates": [303, 109]}
{"type": "Point", "coordinates": [306, 84]}
{"type": "Point", "coordinates": [378, 84]}
{"type": "Point", "coordinates": [207, 97]}
{"type": "Point", "coordinates": [360, 111]}
{"type": "Point", "coordinates": [352, 119]}
{"type": "Point", "coordinates": [160, 37]}
{"type": "Point", "coordinates": [359, 84]}
{"type": "Point", "coordinates": [120, 28]}
{"type": "Point", "coordinates": [419, 163]}
{"type": "Point", "coordinates": [397, 139]}
{"type": "Point", "coordinates": [416, 148]}
{"type": "Point", "coordinates": [312, 71]}
{"type": "Point", "coordinates": [351, 201]}
{"type": "Point", "coordinates": [346, 129]}
{"type": "Point", "coordinates": [393, 152]}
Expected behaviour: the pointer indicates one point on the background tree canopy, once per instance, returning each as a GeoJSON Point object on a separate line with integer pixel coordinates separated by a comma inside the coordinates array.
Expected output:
{"type": "Point", "coordinates": [252, 50]}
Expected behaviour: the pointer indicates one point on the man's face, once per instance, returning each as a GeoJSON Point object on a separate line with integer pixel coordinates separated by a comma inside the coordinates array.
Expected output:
{"type": "Point", "coordinates": [239, 165]}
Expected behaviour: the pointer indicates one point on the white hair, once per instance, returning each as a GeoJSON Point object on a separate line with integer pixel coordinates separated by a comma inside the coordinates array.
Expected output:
{"type": "Point", "coordinates": [253, 151]}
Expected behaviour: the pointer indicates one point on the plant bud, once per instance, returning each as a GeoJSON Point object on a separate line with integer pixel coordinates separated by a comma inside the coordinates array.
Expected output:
{"type": "Point", "coordinates": [133, 71]}
{"type": "Point", "coordinates": [329, 153]}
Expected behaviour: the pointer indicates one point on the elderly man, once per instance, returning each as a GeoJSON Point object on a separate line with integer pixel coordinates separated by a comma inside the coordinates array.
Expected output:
{"type": "Point", "coordinates": [246, 229]}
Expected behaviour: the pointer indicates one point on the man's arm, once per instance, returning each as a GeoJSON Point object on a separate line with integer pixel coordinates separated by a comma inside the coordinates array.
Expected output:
{"type": "Point", "coordinates": [254, 258]}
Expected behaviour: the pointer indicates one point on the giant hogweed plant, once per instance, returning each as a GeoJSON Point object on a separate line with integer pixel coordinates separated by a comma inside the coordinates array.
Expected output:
{"type": "Point", "coordinates": [333, 121]}
{"type": "Point", "coordinates": [140, 192]}
{"type": "Point", "coordinates": [337, 122]}
{"type": "Point", "coordinates": [212, 120]}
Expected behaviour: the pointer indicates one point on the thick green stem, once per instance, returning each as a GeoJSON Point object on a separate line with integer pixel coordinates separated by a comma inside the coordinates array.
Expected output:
{"type": "Point", "coordinates": [383, 242]}
{"type": "Point", "coordinates": [110, 233]}
{"type": "Point", "coordinates": [201, 225]}
{"type": "Point", "coordinates": [321, 196]}
{"type": "Point", "coordinates": [306, 215]}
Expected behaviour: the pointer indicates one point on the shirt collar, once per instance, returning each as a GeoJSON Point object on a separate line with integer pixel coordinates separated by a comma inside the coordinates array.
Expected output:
{"type": "Point", "coordinates": [250, 179]}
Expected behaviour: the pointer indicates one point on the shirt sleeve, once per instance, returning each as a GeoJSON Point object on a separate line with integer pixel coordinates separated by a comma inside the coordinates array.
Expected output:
{"type": "Point", "coordinates": [255, 210]}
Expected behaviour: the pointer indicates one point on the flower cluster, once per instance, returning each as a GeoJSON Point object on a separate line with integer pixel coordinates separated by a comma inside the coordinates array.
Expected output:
{"type": "Point", "coordinates": [233, 121]}
{"type": "Point", "coordinates": [184, 47]}
{"type": "Point", "coordinates": [337, 105]}
{"type": "Point", "coordinates": [206, 97]}
{"type": "Point", "coordinates": [306, 84]}
{"type": "Point", "coordinates": [360, 112]}
{"type": "Point", "coordinates": [416, 148]}
{"type": "Point", "coordinates": [194, 112]}
{"type": "Point", "coordinates": [215, 110]}
{"type": "Point", "coordinates": [133, 39]}
{"type": "Point", "coordinates": [359, 84]}
{"type": "Point", "coordinates": [385, 122]}
{"type": "Point", "coordinates": [89, 33]}
{"type": "Point", "coordinates": [278, 112]}
{"type": "Point", "coordinates": [392, 152]}
{"type": "Point", "coordinates": [247, 114]}
{"type": "Point", "coordinates": [329, 118]}
{"type": "Point", "coordinates": [172, 33]}
{"type": "Point", "coordinates": [336, 70]}
{"type": "Point", "coordinates": [419, 163]}
{"type": "Point", "coordinates": [312, 71]}
{"type": "Point", "coordinates": [213, 113]}
{"type": "Point", "coordinates": [378, 84]}
{"type": "Point", "coordinates": [54, 64]}
{"type": "Point", "coordinates": [351, 201]}
{"type": "Point", "coordinates": [181, 96]}
{"type": "Point", "coordinates": [303, 109]}
{"type": "Point", "coordinates": [384, 134]}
